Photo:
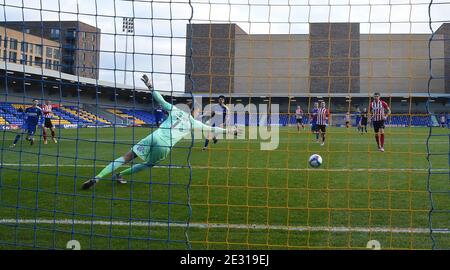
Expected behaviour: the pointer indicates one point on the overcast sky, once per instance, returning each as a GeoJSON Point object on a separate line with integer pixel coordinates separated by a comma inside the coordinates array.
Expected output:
{"type": "Point", "coordinates": [166, 22]}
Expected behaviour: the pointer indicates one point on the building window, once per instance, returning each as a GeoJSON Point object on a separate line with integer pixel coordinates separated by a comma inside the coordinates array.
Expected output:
{"type": "Point", "coordinates": [93, 37]}
{"type": "Point", "coordinates": [27, 30]}
{"type": "Point", "coordinates": [38, 61]}
{"type": "Point", "coordinates": [49, 52]}
{"type": "Point", "coordinates": [83, 57]}
{"type": "Point", "coordinates": [93, 47]}
{"type": "Point", "coordinates": [6, 42]}
{"type": "Point", "coordinates": [13, 43]}
{"type": "Point", "coordinates": [54, 33]}
{"type": "Point", "coordinates": [23, 46]}
{"type": "Point", "coordinates": [23, 60]}
{"type": "Point", "coordinates": [56, 65]}
{"type": "Point", "coordinates": [48, 63]}
{"type": "Point", "coordinates": [38, 50]}
{"type": "Point", "coordinates": [31, 48]}
{"type": "Point", "coordinates": [71, 33]}
{"type": "Point", "coordinates": [5, 55]}
{"type": "Point", "coordinates": [31, 60]}
{"type": "Point", "coordinates": [12, 57]}
{"type": "Point", "coordinates": [83, 34]}
{"type": "Point", "coordinates": [57, 53]}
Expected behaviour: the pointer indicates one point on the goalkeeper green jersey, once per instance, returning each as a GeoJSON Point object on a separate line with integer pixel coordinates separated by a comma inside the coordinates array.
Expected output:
{"type": "Point", "coordinates": [177, 125]}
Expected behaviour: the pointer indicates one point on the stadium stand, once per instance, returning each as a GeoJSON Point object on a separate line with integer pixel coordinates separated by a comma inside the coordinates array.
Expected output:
{"type": "Point", "coordinates": [147, 117]}
{"type": "Point", "coordinates": [66, 115]}
{"type": "Point", "coordinates": [2, 121]}
{"type": "Point", "coordinates": [125, 114]}
{"type": "Point", "coordinates": [83, 117]}
{"type": "Point", "coordinates": [10, 114]}
{"type": "Point", "coordinates": [395, 120]}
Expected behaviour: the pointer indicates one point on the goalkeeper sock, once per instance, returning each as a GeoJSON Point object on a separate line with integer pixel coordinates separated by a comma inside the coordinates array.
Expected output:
{"type": "Point", "coordinates": [134, 169]}
{"type": "Point", "coordinates": [16, 139]}
{"type": "Point", "coordinates": [111, 167]}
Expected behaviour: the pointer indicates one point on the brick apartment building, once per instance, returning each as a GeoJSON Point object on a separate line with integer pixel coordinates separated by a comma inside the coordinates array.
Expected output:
{"type": "Point", "coordinates": [79, 43]}
{"type": "Point", "coordinates": [26, 49]}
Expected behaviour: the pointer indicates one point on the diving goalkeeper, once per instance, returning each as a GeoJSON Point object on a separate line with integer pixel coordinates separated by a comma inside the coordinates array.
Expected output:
{"type": "Point", "coordinates": [155, 147]}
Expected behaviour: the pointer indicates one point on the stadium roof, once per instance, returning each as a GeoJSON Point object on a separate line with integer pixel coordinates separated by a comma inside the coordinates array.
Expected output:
{"type": "Point", "coordinates": [21, 72]}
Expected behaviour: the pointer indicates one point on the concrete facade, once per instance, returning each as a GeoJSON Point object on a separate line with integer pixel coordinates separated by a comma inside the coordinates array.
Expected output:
{"type": "Point", "coordinates": [266, 64]}
{"type": "Point", "coordinates": [213, 57]}
{"type": "Point", "coordinates": [334, 53]}
{"type": "Point", "coordinates": [444, 36]}
{"type": "Point", "coordinates": [399, 64]}
{"type": "Point", "coordinates": [333, 58]}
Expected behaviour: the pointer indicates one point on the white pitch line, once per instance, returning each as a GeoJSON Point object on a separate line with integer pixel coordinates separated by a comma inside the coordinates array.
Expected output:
{"type": "Point", "coordinates": [242, 168]}
{"type": "Point", "coordinates": [225, 226]}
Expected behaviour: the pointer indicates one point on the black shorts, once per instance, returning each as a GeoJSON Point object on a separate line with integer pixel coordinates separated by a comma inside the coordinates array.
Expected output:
{"type": "Point", "coordinates": [322, 128]}
{"type": "Point", "coordinates": [364, 122]}
{"type": "Point", "coordinates": [377, 125]}
{"type": "Point", "coordinates": [300, 120]}
{"type": "Point", "coordinates": [48, 123]}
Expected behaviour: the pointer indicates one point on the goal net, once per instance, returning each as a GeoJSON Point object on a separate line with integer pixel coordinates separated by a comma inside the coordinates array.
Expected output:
{"type": "Point", "coordinates": [215, 153]}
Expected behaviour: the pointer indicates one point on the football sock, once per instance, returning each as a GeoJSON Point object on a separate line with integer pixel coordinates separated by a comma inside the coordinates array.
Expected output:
{"type": "Point", "coordinates": [134, 169]}
{"type": "Point", "coordinates": [206, 143]}
{"type": "Point", "coordinates": [111, 167]}
{"type": "Point", "coordinates": [378, 142]}
{"type": "Point", "coordinates": [53, 134]}
{"type": "Point", "coordinates": [16, 139]}
{"type": "Point", "coordinates": [44, 134]}
{"type": "Point", "coordinates": [382, 140]}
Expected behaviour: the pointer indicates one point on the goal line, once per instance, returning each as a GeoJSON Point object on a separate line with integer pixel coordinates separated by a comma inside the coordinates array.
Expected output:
{"type": "Point", "coordinates": [225, 226]}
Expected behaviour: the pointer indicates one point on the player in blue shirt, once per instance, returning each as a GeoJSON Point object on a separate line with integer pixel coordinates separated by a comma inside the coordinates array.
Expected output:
{"type": "Point", "coordinates": [219, 118]}
{"type": "Point", "coordinates": [32, 116]}
{"type": "Point", "coordinates": [313, 117]}
{"type": "Point", "coordinates": [159, 115]}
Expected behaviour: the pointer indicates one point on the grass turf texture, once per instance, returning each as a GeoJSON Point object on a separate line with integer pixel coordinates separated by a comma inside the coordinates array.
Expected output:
{"type": "Point", "coordinates": [251, 199]}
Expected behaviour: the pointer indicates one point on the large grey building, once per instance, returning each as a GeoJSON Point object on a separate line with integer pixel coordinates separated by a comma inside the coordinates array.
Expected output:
{"type": "Point", "coordinates": [79, 42]}
{"type": "Point", "coordinates": [332, 58]}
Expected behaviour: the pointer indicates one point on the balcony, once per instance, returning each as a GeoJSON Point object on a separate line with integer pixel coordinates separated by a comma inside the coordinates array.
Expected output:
{"type": "Point", "coordinates": [69, 47]}
{"type": "Point", "coordinates": [68, 58]}
{"type": "Point", "coordinates": [71, 35]}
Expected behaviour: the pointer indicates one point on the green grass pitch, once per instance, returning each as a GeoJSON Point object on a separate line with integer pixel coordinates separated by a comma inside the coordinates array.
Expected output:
{"type": "Point", "coordinates": [241, 197]}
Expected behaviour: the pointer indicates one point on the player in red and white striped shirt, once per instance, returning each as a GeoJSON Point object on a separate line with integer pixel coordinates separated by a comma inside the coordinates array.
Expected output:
{"type": "Point", "coordinates": [322, 121]}
{"type": "Point", "coordinates": [48, 115]}
{"type": "Point", "coordinates": [379, 111]}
